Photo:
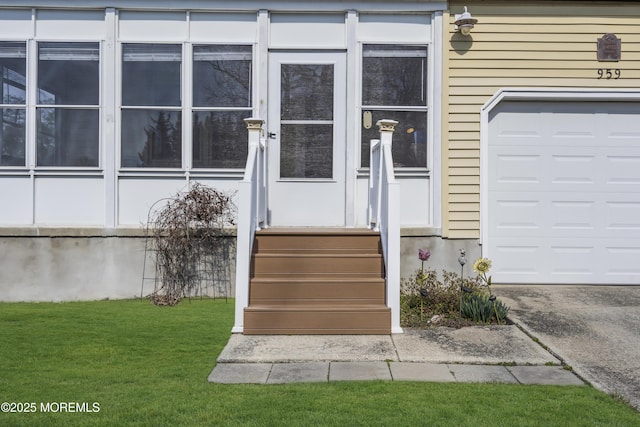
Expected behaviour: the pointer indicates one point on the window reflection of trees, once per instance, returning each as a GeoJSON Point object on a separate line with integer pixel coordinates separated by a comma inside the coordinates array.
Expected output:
{"type": "Point", "coordinates": [216, 141]}
{"type": "Point", "coordinates": [226, 84]}
{"type": "Point", "coordinates": [163, 141]}
{"type": "Point", "coordinates": [306, 92]}
{"type": "Point", "coordinates": [13, 97]}
{"type": "Point", "coordinates": [221, 100]}
{"type": "Point", "coordinates": [394, 83]}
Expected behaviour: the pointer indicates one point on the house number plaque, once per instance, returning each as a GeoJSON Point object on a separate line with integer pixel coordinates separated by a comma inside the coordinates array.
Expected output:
{"type": "Point", "coordinates": [609, 48]}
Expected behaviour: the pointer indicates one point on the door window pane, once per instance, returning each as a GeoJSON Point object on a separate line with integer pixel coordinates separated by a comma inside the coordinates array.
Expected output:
{"type": "Point", "coordinates": [219, 139]}
{"type": "Point", "coordinates": [306, 92]}
{"type": "Point", "coordinates": [67, 137]}
{"type": "Point", "coordinates": [306, 151]}
{"type": "Point", "coordinates": [151, 74]}
{"type": "Point", "coordinates": [152, 138]}
{"type": "Point", "coordinates": [68, 73]}
{"type": "Point", "coordinates": [409, 147]}
{"type": "Point", "coordinates": [222, 76]}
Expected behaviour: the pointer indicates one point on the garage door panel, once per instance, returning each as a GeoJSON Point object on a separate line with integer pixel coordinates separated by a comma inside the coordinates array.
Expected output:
{"type": "Point", "coordinates": [571, 216]}
{"type": "Point", "coordinates": [572, 260]}
{"type": "Point", "coordinates": [620, 168]}
{"type": "Point", "coordinates": [516, 260]}
{"type": "Point", "coordinates": [567, 168]}
{"type": "Point", "coordinates": [515, 166]}
{"type": "Point", "coordinates": [563, 192]}
{"type": "Point", "coordinates": [623, 217]}
{"type": "Point", "coordinates": [515, 214]}
{"type": "Point", "coordinates": [622, 264]}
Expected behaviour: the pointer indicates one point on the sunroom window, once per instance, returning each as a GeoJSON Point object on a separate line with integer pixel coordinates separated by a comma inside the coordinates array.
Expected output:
{"type": "Point", "coordinates": [221, 100]}
{"type": "Point", "coordinates": [151, 106]}
{"type": "Point", "coordinates": [13, 103]}
{"type": "Point", "coordinates": [67, 110]}
{"type": "Point", "coordinates": [394, 86]}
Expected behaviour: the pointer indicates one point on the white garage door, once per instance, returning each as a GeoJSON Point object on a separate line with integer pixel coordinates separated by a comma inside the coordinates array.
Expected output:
{"type": "Point", "coordinates": [563, 201]}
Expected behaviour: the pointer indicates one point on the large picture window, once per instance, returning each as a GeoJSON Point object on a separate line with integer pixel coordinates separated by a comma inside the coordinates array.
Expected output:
{"type": "Point", "coordinates": [68, 99]}
{"type": "Point", "coordinates": [394, 86]}
{"type": "Point", "coordinates": [13, 103]}
{"type": "Point", "coordinates": [221, 100]}
{"type": "Point", "coordinates": [151, 105]}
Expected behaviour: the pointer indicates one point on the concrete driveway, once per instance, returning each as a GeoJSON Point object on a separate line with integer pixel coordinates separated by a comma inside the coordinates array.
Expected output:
{"type": "Point", "coordinates": [594, 329]}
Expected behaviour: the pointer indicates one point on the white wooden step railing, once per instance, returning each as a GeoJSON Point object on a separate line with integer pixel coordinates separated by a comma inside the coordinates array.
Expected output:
{"type": "Point", "coordinates": [384, 213]}
{"type": "Point", "coordinates": [252, 209]}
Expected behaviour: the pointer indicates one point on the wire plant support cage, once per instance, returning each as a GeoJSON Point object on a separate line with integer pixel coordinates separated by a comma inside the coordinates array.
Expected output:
{"type": "Point", "coordinates": [189, 245]}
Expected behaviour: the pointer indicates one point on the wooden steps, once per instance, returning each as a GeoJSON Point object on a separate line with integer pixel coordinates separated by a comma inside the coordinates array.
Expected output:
{"type": "Point", "coordinates": [317, 281]}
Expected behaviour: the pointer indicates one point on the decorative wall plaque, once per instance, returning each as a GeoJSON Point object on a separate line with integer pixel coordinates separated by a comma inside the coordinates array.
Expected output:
{"type": "Point", "coordinates": [609, 48]}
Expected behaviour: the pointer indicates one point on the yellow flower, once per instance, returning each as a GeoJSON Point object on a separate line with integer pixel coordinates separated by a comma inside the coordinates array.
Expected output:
{"type": "Point", "coordinates": [482, 265]}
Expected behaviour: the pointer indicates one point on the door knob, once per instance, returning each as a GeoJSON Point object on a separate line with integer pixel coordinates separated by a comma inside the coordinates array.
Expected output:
{"type": "Point", "coordinates": [272, 135]}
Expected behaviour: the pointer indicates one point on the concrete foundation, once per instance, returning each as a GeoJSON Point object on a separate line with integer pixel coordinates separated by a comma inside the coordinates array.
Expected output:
{"type": "Point", "coordinates": [444, 252]}
{"type": "Point", "coordinates": [56, 264]}
{"type": "Point", "coordinates": [76, 264]}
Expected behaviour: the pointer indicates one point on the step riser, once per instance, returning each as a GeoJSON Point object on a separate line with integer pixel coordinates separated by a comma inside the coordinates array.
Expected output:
{"type": "Point", "coordinates": [336, 244]}
{"type": "Point", "coordinates": [317, 293]}
{"type": "Point", "coordinates": [298, 322]}
{"type": "Point", "coordinates": [286, 266]}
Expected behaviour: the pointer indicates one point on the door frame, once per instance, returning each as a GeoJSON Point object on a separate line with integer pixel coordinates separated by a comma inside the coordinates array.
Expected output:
{"type": "Point", "coordinates": [341, 146]}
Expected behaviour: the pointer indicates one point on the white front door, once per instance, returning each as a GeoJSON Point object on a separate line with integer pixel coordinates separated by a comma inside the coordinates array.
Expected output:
{"type": "Point", "coordinates": [307, 150]}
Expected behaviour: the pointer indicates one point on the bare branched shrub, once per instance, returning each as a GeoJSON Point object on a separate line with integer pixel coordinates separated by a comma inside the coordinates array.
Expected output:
{"type": "Point", "coordinates": [191, 228]}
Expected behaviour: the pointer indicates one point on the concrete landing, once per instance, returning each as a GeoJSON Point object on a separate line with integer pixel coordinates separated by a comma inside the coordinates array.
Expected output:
{"type": "Point", "coordinates": [501, 354]}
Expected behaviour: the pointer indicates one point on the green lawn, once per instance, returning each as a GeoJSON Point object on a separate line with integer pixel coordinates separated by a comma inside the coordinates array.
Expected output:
{"type": "Point", "coordinates": [148, 365]}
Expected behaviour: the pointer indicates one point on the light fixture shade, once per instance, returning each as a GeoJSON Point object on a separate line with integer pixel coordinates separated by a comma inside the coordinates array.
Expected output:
{"type": "Point", "coordinates": [465, 22]}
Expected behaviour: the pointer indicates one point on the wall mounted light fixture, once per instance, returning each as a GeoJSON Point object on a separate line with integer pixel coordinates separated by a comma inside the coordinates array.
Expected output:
{"type": "Point", "coordinates": [464, 22]}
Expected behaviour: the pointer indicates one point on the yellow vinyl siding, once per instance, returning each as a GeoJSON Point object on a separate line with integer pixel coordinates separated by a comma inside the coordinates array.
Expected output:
{"type": "Point", "coordinates": [550, 44]}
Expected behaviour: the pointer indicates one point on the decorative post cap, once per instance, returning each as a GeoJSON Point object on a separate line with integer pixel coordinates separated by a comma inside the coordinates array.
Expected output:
{"type": "Point", "coordinates": [386, 125]}
{"type": "Point", "coordinates": [253, 123]}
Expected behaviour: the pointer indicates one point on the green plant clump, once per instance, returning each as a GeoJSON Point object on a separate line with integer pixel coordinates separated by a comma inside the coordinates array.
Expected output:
{"type": "Point", "coordinates": [479, 307]}
{"type": "Point", "coordinates": [455, 301]}
{"type": "Point", "coordinates": [423, 295]}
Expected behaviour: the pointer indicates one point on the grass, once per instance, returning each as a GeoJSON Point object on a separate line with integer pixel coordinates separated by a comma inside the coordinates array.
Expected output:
{"type": "Point", "coordinates": [148, 366]}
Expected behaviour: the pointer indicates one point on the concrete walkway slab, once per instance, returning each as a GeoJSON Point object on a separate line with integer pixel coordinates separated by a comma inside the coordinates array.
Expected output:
{"type": "Point", "coordinates": [359, 371]}
{"type": "Point", "coordinates": [307, 348]}
{"type": "Point", "coordinates": [417, 371]}
{"type": "Point", "coordinates": [475, 344]}
{"type": "Point", "coordinates": [482, 374]}
{"type": "Point", "coordinates": [299, 372]}
{"type": "Point", "coordinates": [240, 373]}
{"type": "Point", "coordinates": [548, 375]}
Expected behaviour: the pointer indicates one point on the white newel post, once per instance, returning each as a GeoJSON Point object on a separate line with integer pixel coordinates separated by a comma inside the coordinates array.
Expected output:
{"type": "Point", "coordinates": [391, 220]}
{"type": "Point", "coordinates": [247, 209]}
